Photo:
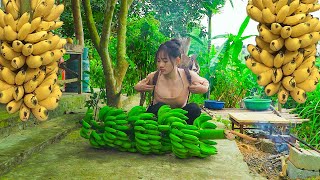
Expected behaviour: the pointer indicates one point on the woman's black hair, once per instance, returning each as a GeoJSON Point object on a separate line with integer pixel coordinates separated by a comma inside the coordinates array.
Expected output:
{"type": "Point", "coordinates": [172, 48]}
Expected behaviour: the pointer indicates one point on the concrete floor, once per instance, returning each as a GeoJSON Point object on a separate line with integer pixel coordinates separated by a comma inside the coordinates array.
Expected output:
{"type": "Point", "coordinates": [74, 158]}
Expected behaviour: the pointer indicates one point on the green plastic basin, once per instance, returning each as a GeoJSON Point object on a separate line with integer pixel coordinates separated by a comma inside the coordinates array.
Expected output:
{"type": "Point", "coordinates": [257, 104]}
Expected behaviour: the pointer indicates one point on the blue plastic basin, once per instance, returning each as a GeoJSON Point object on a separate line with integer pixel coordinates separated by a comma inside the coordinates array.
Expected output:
{"type": "Point", "coordinates": [212, 104]}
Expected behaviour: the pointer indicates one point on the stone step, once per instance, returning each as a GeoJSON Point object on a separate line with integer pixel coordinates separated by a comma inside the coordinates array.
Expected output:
{"type": "Point", "coordinates": [21, 145]}
{"type": "Point", "coordinates": [10, 123]}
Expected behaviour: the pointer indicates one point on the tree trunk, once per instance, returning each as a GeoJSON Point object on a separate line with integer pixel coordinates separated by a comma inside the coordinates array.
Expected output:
{"type": "Point", "coordinates": [77, 20]}
{"type": "Point", "coordinates": [209, 31]}
{"type": "Point", "coordinates": [113, 75]}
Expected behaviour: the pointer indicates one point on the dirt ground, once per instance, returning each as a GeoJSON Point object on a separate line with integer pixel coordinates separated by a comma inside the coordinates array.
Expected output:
{"type": "Point", "coordinates": [260, 162]}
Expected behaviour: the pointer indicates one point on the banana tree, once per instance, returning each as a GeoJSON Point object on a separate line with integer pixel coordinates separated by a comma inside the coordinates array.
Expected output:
{"type": "Point", "coordinates": [212, 7]}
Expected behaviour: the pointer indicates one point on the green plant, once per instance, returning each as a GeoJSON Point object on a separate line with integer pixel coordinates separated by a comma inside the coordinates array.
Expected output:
{"type": "Point", "coordinates": [96, 98]}
{"type": "Point", "coordinates": [310, 131]}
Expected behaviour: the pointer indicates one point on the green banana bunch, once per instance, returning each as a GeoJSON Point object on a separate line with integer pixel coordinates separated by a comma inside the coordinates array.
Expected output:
{"type": "Point", "coordinates": [139, 131]}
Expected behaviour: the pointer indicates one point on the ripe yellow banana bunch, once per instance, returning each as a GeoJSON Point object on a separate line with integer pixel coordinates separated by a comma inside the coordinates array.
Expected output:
{"type": "Point", "coordinates": [285, 52]}
{"type": "Point", "coordinates": [29, 58]}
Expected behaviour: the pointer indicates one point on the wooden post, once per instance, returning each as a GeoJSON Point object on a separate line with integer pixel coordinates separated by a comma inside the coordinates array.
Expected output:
{"type": "Point", "coordinates": [279, 107]}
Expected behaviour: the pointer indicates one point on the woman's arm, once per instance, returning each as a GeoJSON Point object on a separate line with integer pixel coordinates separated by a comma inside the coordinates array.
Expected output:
{"type": "Point", "coordinates": [199, 85]}
{"type": "Point", "coordinates": [145, 84]}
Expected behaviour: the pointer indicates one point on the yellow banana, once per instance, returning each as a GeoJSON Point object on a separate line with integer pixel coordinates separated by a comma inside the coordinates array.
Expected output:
{"type": "Point", "coordinates": [299, 95]}
{"type": "Point", "coordinates": [309, 1]}
{"type": "Point", "coordinates": [36, 37]}
{"type": "Point", "coordinates": [254, 52]}
{"type": "Point", "coordinates": [309, 62]}
{"type": "Point", "coordinates": [27, 49]}
{"type": "Point", "coordinates": [277, 75]}
{"type": "Point", "coordinates": [277, 44]}
{"type": "Point", "coordinates": [7, 51]}
{"type": "Point", "coordinates": [42, 92]}
{"type": "Point", "coordinates": [278, 59]}
{"type": "Point", "coordinates": [308, 85]}
{"type": "Point", "coordinates": [45, 26]}
{"type": "Point", "coordinates": [31, 73]}
{"type": "Point", "coordinates": [2, 22]}
{"type": "Point", "coordinates": [56, 11]}
{"type": "Point", "coordinates": [40, 112]}
{"type": "Point", "coordinates": [50, 80]}
{"type": "Point", "coordinates": [18, 62]}
{"type": "Point", "coordinates": [30, 100]}
{"type": "Point", "coordinates": [294, 19]}
{"type": "Point", "coordinates": [55, 39]}
{"type": "Point", "coordinates": [286, 32]}
{"type": "Point", "coordinates": [12, 8]}
{"type": "Point", "coordinates": [6, 95]}
{"type": "Point", "coordinates": [57, 24]}
{"type": "Point", "coordinates": [48, 8]}
{"type": "Point", "coordinates": [289, 68]}
{"type": "Point", "coordinates": [315, 37]}
{"type": "Point", "coordinates": [17, 46]}
{"type": "Point", "coordinates": [306, 40]}
{"type": "Point", "coordinates": [313, 24]}
{"type": "Point", "coordinates": [265, 78]}
{"type": "Point", "coordinates": [6, 63]}
{"type": "Point", "coordinates": [266, 58]}
{"type": "Point", "coordinates": [56, 92]}
{"type": "Point", "coordinates": [289, 83]}
{"type": "Point", "coordinates": [314, 8]}
{"type": "Point", "coordinates": [282, 14]}
{"type": "Point", "coordinates": [18, 93]}
{"type": "Point", "coordinates": [30, 86]}
{"type": "Point", "coordinates": [302, 9]}
{"type": "Point", "coordinates": [50, 67]}
{"type": "Point", "coordinates": [280, 4]}
{"type": "Point", "coordinates": [300, 29]}
{"type": "Point", "coordinates": [270, 5]}
{"type": "Point", "coordinates": [255, 13]}
{"type": "Point", "coordinates": [47, 57]}
{"type": "Point", "coordinates": [299, 59]}
{"type": "Point", "coordinates": [293, 6]}
{"type": "Point", "coordinates": [4, 85]}
{"type": "Point", "coordinates": [61, 43]}
{"type": "Point", "coordinates": [9, 20]}
{"type": "Point", "coordinates": [292, 44]}
{"type": "Point", "coordinates": [23, 20]}
{"type": "Point", "coordinates": [309, 49]}
{"type": "Point", "coordinates": [13, 106]}
{"type": "Point", "coordinates": [266, 34]}
{"type": "Point", "coordinates": [258, 4]}
{"type": "Point", "coordinates": [40, 9]}
{"type": "Point", "coordinates": [41, 47]}
{"type": "Point", "coordinates": [20, 77]}
{"type": "Point", "coordinates": [315, 74]}
{"type": "Point", "coordinates": [2, 36]}
{"type": "Point", "coordinates": [58, 53]}
{"type": "Point", "coordinates": [35, 24]}
{"type": "Point", "coordinates": [34, 61]}
{"type": "Point", "coordinates": [7, 75]}
{"type": "Point", "coordinates": [276, 28]}
{"type": "Point", "coordinates": [268, 16]}
{"type": "Point", "coordinates": [263, 45]}
{"type": "Point", "coordinates": [283, 95]}
{"type": "Point", "coordinates": [10, 34]}
{"type": "Point", "coordinates": [17, 3]}
{"type": "Point", "coordinates": [24, 31]}
{"type": "Point", "coordinates": [301, 75]}
{"type": "Point", "coordinates": [272, 88]}
{"type": "Point", "coordinates": [34, 4]}
{"type": "Point", "coordinates": [42, 75]}
{"type": "Point", "coordinates": [24, 112]}
{"type": "Point", "coordinates": [50, 103]}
